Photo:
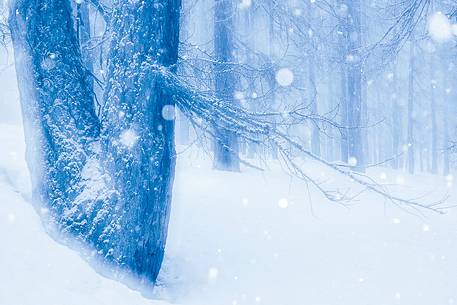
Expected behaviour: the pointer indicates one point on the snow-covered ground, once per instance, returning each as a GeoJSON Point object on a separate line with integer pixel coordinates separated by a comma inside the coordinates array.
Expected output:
{"type": "Point", "coordinates": [249, 238]}
{"type": "Point", "coordinates": [34, 269]}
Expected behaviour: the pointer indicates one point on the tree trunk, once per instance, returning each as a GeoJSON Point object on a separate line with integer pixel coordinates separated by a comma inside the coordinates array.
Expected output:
{"type": "Point", "coordinates": [226, 143]}
{"type": "Point", "coordinates": [446, 157]}
{"type": "Point", "coordinates": [110, 187]}
{"type": "Point", "coordinates": [352, 81]}
{"type": "Point", "coordinates": [396, 122]}
{"type": "Point", "coordinates": [138, 131]}
{"type": "Point", "coordinates": [57, 102]}
{"type": "Point", "coordinates": [411, 148]}
{"type": "Point", "coordinates": [434, 148]}
{"type": "Point", "coordinates": [343, 109]}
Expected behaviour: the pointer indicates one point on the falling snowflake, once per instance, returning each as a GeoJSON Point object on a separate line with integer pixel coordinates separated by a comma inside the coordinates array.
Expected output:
{"type": "Point", "coordinates": [439, 27]}
{"type": "Point", "coordinates": [283, 203]}
{"type": "Point", "coordinates": [400, 180]}
{"type": "Point", "coordinates": [169, 112]}
{"type": "Point", "coordinates": [285, 77]}
{"type": "Point", "coordinates": [239, 95]}
{"type": "Point", "coordinates": [298, 12]}
{"type": "Point", "coordinates": [213, 272]}
{"type": "Point", "coordinates": [11, 218]}
{"type": "Point", "coordinates": [48, 63]}
{"type": "Point", "coordinates": [244, 4]}
{"type": "Point", "coordinates": [245, 201]}
{"type": "Point", "coordinates": [128, 138]}
{"type": "Point", "coordinates": [352, 161]}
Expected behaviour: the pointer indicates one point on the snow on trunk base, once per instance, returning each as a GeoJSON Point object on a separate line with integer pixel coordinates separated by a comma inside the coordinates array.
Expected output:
{"type": "Point", "coordinates": [35, 269]}
{"type": "Point", "coordinates": [245, 239]}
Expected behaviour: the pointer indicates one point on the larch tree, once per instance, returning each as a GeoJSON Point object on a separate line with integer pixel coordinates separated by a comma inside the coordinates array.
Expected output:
{"type": "Point", "coordinates": [411, 91]}
{"type": "Point", "coordinates": [105, 179]}
{"type": "Point", "coordinates": [226, 142]}
{"type": "Point", "coordinates": [351, 69]}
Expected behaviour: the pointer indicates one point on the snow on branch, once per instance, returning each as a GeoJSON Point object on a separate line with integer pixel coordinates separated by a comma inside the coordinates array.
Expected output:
{"type": "Point", "coordinates": [102, 9]}
{"type": "Point", "coordinates": [204, 107]}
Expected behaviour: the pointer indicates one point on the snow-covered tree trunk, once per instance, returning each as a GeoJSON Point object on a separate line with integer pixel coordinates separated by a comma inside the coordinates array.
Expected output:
{"type": "Point", "coordinates": [83, 30]}
{"type": "Point", "coordinates": [226, 143]}
{"type": "Point", "coordinates": [138, 130]}
{"type": "Point", "coordinates": [57, 101]}
{"type": "Point", "coordinates": [107, 183]}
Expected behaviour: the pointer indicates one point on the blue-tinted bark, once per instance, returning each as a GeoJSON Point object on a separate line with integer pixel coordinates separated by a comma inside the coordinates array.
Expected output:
{"type": "Point", "coordinates": [411, 89]}
{"type": "Point", "coordinates": [396, 122]}
{"type": "Point", "coordinates": [57, 103]}
{"type": "Point", "coordinates": [312, 86]}
{"type": "Point", "coordinates": [350, 25]}
{"type": "Point", "coordinates": [226, 144]}
{"type": "Point", "coordinates": [343, 103]}
{"type": "Point", "coordinates": [109, 183]}
{"type": "Point", "coordinates": [433, 113]}
{"type": "Point", "coordinates": [315, 135]}
{"type": "Point", "coordinates": [83, 32]}
{"type": "Point", "coordinates": [145, 34]}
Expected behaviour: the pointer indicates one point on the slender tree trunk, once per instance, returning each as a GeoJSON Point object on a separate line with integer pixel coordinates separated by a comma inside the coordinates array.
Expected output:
{"type": "Point", "coordinates": [312, 87]}
{"type": "Point", "coordinates": [364, 91]}
{"type": "Point", "coordinates": [396, 122]}
{"type": "Point", "coordinates": [183, 126]}
{"type": "Point", "coordinates": [434, 146]}
{"type": "Point", "coordinates": [343, 109]}
{"type": "Point", "coordinates": [315, 136]}
{"type": "Point", "coordinates": [332, 142]}
{"type": "Point", "coordinates": [272, 74]}
{"type": "Point", "coordinates": [352, 81]}
{"type": "Point", "coordinates": [411, 142]}
{"type": "Point", "coordinates": [226, 143]}
{"type": "Point", "coordinates": [421, 158]}
{"type": "Point", "coordinates": [447, 114]}
{"type": "Point", "coordinates": [446, 160]}
{"type": "Point", "coordinates": [364, 122]}
{"type": "Point", "coordinates": [355, 89]}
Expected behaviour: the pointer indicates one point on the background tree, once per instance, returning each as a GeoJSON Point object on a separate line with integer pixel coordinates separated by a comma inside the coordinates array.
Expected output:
{"type": "Point", "coordinates": [226, 144]}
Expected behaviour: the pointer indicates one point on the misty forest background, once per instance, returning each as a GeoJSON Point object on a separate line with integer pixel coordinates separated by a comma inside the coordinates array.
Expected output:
{"type": "Point", "coordinates": [366, 82]}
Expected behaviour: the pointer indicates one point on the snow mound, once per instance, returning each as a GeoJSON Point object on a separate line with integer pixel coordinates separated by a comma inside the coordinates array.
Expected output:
{"type": "Point", "coordinates": [245, 239]}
